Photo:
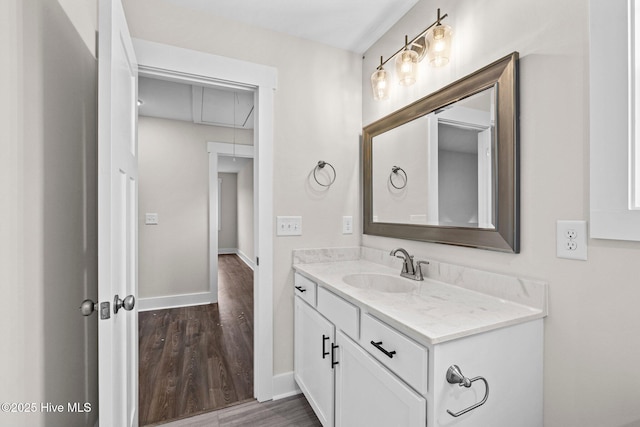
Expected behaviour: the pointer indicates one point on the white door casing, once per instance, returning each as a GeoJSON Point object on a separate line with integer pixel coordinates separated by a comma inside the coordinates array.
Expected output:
{"type": "Point", "coordinates": [186, 65]}
{"type": "Point", "coordinates": [117, 214]}
{"type": "Point", "coordinates": [485, 180]}
{"type": "Point", "coordinates": [433, 196]}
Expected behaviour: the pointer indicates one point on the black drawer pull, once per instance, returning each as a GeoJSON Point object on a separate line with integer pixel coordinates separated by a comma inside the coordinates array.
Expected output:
{"type": "Point", "coordinates": [333, 355]}
{"type": "Point", "coordinates": [300, 288]}
{"type": "Point", "coordinates": [324, 351]}
{"type": "Point", "coordinates": [378, 345]}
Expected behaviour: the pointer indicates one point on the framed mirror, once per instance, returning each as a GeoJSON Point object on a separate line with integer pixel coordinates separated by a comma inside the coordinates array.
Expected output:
{"type": "Point", "coordinates": [445, 168]}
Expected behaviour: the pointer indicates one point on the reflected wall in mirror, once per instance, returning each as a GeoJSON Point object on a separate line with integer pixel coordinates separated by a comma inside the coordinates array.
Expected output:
{"type": "Point", "coordinates": [448, 154]}
{"type": "Point", "coordinates": [444, 169]}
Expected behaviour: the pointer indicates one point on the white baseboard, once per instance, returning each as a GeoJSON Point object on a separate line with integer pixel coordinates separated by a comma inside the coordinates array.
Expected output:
{"type": "Point", "coordinates": [246, 259]}
{"type": "Point", "coordinates": [173, 301]}
{"type": "Point", "coordinates": [236, 251]}
{"type": "Point", "coordinates": [284, 386]}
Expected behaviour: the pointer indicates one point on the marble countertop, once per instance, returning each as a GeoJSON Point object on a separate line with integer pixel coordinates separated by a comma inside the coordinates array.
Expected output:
{"type": "Point", "coordinates": [433, 313]}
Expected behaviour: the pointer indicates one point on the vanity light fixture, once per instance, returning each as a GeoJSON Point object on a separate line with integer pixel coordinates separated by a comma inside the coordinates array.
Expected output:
{"type": "Point", "coordinates": [439, 42]}
{"type": "Point", "coordinates": [434, 43]}
{"type": "Point", "coordinates": [407, 65]}
{"type": "Point", "coordinates": [380, 83]}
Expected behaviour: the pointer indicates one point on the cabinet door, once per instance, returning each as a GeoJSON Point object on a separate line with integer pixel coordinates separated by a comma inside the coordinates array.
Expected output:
{"type": "Point", "coordinates": [313, 337]}
{"type": "Point", "coordinates": [367, 394]}
{"type": "Point", "coordinates": [510, 359]}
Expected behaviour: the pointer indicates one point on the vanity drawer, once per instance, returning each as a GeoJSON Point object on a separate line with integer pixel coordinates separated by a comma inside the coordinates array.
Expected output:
{"type": "Point", "coordinates": [410, 360]}
{"type": "Point", "coordinates": [344, 315]}
{"type": "Point", "coordinates": [305, 289]}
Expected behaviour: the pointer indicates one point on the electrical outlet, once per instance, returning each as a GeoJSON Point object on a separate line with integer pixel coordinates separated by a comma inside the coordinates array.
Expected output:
{"type": "Point", "coordinates": [571, 240]}
{"type": "Point", "coordinates": [347, 225]}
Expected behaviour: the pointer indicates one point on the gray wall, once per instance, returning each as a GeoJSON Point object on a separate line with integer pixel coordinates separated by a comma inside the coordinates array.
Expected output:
{"type": "Point", "coordinates": [174, 183]}
{"type": "Point", "coordinates": [458, 188]}
{"type": "Point", "coordinates": [228, 233]}
{"type": "Point", "coordinates": [48, 245]}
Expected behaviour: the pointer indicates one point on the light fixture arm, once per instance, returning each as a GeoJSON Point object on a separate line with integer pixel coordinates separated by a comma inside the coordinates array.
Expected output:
{"type": "Point", "coordinates": [437, 22]}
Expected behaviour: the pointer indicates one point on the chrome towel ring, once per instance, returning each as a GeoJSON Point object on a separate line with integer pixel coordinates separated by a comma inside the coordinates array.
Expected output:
{"type": "Point", "coordinates": [397, 170]}
{"type": "Point", "coordinates": [321, 164]}
{"type": "Point", "coordinates": [454, 376]}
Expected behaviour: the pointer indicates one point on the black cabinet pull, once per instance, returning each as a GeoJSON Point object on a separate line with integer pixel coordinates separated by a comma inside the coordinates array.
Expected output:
{"type": "Point", "coordinates": [378, 345]}
{"type": "Point", "coordinates": [333, 355]}
{"type": "Point", "coordinates": [324, 351]}
{"type": "Point", "coordinates": [300, 288]}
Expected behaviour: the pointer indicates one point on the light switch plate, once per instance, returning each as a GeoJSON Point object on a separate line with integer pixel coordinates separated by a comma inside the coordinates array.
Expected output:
{"type": "Point", "coordinates": [151, 219]}
{"type": "Point", "coordinates": [289, 225]}
{"type": "Point", "coordinates": [571, 240]}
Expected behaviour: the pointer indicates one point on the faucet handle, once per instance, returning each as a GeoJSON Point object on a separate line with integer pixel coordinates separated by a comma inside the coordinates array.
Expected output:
{"type": "Point", "coordinates": [419, 270]}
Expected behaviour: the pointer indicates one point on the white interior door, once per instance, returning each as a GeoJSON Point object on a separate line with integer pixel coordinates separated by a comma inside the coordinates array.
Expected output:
{"type": "Point", "coordinates": [117, 213]}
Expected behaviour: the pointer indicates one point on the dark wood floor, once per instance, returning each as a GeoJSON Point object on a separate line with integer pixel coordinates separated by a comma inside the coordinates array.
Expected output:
{"type": "Point", "coordinates": [198, 359]}
{"type": "Point", "coordinates": [289, 412]}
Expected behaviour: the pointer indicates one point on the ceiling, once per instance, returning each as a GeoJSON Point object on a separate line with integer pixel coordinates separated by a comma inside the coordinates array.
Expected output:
{"type": "Point", "coordinates": [352, 25]}
{"type": "Point", "coordinates": [192, 103]}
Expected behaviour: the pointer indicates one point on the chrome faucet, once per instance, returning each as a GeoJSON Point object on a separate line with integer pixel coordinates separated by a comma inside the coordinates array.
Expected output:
{"type": "Point", "coordinates": [408, 269]}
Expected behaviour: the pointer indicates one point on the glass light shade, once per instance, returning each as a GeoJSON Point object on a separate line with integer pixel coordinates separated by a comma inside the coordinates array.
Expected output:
{"type": "Point", "coordinates": [407, 67]}
{"type": "Point", "coordinates": [380, 82]}
{"type": "Point", "coordinates": [439, 45]}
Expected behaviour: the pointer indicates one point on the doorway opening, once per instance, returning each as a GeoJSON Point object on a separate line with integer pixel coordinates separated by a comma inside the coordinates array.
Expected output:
{"type": "Point", "coordinates": [196, 344]}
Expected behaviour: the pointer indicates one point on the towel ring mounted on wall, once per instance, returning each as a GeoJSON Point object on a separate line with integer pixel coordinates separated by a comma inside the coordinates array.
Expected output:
{"type": "Point", "coordinates": [454, 376]}
{"type": "Point", "coordinates": [321, 164]}
{"type": "Point", "coordinates": [397, 170]}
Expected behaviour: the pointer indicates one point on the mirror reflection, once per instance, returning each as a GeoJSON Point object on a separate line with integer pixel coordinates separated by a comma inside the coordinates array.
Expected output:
{"type": "Point", "coordinates": [439, 169]}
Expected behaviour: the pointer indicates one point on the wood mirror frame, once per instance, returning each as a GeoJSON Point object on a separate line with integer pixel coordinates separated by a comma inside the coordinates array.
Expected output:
{"type": "Point", "coordinates": [505, 237]}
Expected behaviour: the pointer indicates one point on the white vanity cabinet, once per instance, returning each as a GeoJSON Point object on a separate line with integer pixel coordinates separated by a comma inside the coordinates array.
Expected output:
{"type": "Point", "coordinates": [356, 369]}
{"type": "Point", "coordinates": [343, 383]}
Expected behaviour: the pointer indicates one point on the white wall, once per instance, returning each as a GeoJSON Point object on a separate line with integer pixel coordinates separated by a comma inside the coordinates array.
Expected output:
{"type": "Point", "coordinates": [398, 148]}
{"type": "Point", "coordinates": [48, 219]}
{"type": "Point", "coordinates": [228, 233]}
{"type": "Point", "coordinates": [592, 328]}
{"type": "Point", "coordinates": [317, 117]}
{"type": "Point", "coordinates": [174, 183]}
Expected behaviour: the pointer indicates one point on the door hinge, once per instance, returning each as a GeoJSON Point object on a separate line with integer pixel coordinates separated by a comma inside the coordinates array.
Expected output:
{"type": "Point", "coordinates": [257, 260]}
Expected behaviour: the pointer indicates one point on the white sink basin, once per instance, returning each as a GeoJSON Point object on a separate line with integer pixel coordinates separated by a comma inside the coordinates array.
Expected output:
{"type": "Point", "coordinates": [379, 282]}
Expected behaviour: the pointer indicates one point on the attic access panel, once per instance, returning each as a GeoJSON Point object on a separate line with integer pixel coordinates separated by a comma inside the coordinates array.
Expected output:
{"type": "Point", "coordinates": [223, 107]}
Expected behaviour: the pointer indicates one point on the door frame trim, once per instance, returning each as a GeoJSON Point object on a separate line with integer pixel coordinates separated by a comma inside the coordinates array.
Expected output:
{"type": "Point", "coordinates": [159, 60]}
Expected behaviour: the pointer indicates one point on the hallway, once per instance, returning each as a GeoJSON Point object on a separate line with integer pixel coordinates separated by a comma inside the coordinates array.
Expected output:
{"type": "Point", "coordinates": [198, 359]}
